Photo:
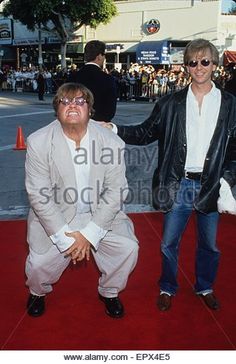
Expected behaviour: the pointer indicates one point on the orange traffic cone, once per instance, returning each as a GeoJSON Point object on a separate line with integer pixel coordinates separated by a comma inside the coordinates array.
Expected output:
{"type": "Point", "coordinates": [20, 143]}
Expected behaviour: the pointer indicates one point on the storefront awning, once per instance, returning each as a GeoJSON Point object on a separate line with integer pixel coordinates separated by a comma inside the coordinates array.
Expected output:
{"type": "Point", "coordinates": [152, 52]}
{"type": "Point", "coordinates": [229, 57]}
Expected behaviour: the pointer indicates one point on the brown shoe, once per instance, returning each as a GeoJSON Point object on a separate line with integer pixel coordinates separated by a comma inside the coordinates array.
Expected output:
{"type": "Point", "coordinates": [211, 301]}
{"type": "Point", "coordinates": [164, 302]}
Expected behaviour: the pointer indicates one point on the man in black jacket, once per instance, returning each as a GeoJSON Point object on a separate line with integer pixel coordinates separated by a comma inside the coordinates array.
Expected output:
{"type": "Point", "coordinates": [196, 130]}
{"type": "Point", "coordinates": [101, 84]}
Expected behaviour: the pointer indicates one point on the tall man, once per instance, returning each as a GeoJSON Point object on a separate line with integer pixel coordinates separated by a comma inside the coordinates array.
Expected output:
{"type": "Point", "coordinates": [76, 189]}
{"type": "Point", "coordinates": [101, 84]}
{"type": "Point", "coordinates": [196, 129]}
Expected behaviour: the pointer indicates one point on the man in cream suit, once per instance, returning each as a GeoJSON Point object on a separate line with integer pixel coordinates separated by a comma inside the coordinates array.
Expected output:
{"type": "Point", "coordinates": [76, 184]}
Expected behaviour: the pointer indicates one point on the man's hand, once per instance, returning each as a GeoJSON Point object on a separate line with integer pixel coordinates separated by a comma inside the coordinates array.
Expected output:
{"type": "Point", "coordinates": [105, 124]}
{"type": "Point", "coordinates": [80, 249]}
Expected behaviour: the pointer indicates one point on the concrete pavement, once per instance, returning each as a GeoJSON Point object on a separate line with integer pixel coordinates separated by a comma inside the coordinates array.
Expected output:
{"type": "Point", "coordinates": [25, 110]}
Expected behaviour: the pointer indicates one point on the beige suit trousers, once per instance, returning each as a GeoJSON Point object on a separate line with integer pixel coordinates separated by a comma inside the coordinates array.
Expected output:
{"type": "Point", "coordinates": [116, 257]}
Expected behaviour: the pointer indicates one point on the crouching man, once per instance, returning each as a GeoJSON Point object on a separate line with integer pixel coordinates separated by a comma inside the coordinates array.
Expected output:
{"type": "Point", "coordinates": [76, 195]}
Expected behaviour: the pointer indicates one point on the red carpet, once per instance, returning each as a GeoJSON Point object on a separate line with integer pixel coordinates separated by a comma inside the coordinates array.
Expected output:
{"type": "Point", "coordinates": [75, 319]}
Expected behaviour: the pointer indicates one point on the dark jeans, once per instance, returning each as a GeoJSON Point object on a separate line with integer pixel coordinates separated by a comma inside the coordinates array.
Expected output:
{"type": "Point", "coordinates": [207, 253]}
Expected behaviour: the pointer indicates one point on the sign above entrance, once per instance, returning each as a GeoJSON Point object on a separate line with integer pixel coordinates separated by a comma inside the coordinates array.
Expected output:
{"type": "Point", "coordinates": [154, 52]}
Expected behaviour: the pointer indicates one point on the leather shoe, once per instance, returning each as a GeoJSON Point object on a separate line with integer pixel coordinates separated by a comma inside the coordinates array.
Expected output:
{"type": "Point", "coordinates": [164, 302]}
{"type": "Point", "coordinates": [211, 301]}
{"type": "Point", "coordinates": [114, 307]}
{"type": "Point", "coordinates": [35, 305]}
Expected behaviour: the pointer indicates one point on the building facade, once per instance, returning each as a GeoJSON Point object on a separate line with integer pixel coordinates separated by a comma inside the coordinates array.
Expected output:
{"type": "Point", "coordinates": [144, 31]}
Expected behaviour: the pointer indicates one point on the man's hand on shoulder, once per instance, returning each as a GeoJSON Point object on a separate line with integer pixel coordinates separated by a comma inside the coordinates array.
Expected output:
{"type": "Point", "coordinates": [104, 124]}
{"type": "Point", "coordinates": [109, 125]}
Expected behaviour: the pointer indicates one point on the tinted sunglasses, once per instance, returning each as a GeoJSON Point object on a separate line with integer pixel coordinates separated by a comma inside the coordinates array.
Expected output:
{"type": "Point", "coordinates": [204, 63]}
{"type": "Point", "coordinates": [79, 101]}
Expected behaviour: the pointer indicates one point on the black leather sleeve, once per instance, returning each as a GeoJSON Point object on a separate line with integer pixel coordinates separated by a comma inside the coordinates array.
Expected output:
{"type": "Point", "coordinates": [144, 133]}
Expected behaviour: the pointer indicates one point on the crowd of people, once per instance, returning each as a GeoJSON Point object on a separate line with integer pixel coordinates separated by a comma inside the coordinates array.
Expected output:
{"type": "Point", "coordinates": [137, 81]}
{"type": "Point", "coordinates": [26, 78]}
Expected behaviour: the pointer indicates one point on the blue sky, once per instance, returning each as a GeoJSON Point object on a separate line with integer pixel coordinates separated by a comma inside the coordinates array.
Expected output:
{"type": "Point", "coordinates": [226, 4]}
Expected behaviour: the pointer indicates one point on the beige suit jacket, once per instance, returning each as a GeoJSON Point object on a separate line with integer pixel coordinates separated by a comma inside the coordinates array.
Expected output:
{"type": "Point", "coordinates": [51, 185]}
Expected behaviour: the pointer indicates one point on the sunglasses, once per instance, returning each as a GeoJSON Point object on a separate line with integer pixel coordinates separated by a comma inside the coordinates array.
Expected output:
{"type": "Point", "coordinates": [204, 63]}
{"type": "Point", "coordinates": [79, 101]}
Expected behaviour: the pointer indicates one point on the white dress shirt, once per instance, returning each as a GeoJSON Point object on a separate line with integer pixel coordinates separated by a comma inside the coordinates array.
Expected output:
{"type": "Point", "coordinates": [92, 232]}
{"type": "Point", "coordinates": [200, 126]}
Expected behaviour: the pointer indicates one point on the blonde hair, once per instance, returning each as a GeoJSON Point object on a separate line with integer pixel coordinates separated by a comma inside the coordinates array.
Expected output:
{"type": "Point", "coordinates": [199, 46]}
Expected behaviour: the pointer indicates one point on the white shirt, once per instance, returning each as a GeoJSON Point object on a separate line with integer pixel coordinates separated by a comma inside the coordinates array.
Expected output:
{"type": "Point", "coordinates": [47, 75]}
{"type": "Point", "coordinates": [200, 126]}
{"type": "Point", "coordinates": [92, 232]}
{"type": "Point", "coordinates": [81, 156]}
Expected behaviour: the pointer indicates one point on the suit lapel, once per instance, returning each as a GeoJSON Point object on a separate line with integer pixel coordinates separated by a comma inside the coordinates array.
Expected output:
{"type": "Point", "coordinates": [96, 170]}
{"type": "Point", "coordinates": [219, 135]}
{"type": "Point", "coordinates": [181, 111]}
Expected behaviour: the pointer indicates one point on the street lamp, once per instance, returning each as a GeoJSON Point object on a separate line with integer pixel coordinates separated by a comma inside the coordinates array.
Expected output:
{"type": "Point", "coordinates": [1, 55]}
{"type": "Point", "coordinates": [40, 50]}
{"type": "Point", "coordinates": [117, 53]}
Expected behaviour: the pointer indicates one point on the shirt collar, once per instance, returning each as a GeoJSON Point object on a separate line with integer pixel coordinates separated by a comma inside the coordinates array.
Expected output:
{"type": "Point", "coordinates": [95, 64]}
{"type": "Point", "coordinates": [72, 143]}
{"type": "Point", "coordinates": [212, 93]}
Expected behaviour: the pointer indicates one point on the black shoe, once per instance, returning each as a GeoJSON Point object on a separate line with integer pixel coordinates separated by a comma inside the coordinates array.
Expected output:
{"type": "Point", "coordinates": [35, 305]}
{"type": "Point", "coordinates": [114, 307]}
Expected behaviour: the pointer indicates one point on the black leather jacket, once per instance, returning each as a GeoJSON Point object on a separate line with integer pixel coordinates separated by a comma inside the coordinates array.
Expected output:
{"type": "Point", "coordinates": [167, 124]}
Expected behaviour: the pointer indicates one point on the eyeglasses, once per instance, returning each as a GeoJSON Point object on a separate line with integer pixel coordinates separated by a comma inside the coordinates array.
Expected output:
{"type": "Point", "coordinates": [204, 63]}
{"type": "Point", "coordinates": [79, 101]}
